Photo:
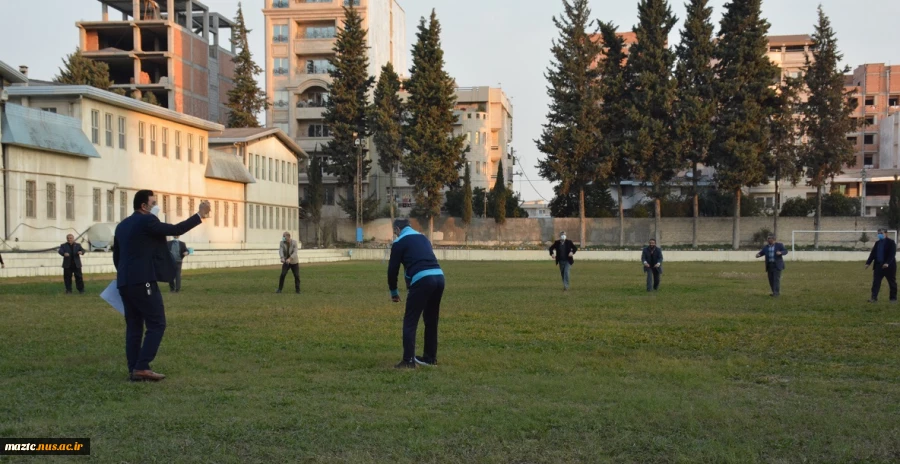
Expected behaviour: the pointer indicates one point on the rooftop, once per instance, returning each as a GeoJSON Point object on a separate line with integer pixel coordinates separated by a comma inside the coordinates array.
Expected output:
{"type": "Point", "coordinates": [33, 128]}
{"type": "Point", "coordinates": [246, 135]}
{"type": "Point", "coordinates": [11, 75]}
{"type": "Point", "coordinates": [148, 10]}
{"type": "Point", "coordinates": [787, 40]}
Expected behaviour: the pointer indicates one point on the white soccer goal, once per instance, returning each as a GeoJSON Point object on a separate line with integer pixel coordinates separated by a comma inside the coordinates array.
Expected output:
{"type": "Point", "coordinates": [847, 238]}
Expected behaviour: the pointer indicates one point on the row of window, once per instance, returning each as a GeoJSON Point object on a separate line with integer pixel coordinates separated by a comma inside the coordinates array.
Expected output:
{"type": "Point", "coordinates": [893, 100]}
{"type": "Point", "coordinates": [272, 217]}
{"type": "Point", "coordinates": [311, 99]}
{"type": "Point", "coordinates": [159, 143]}
{"type": "Point", "coordinates": [280, 32]}
{"type": "Point", "coordinates": [281, 66]}
{"type": "Point", "coordinates": [265, 168]}
{"type": "Point", "coordinates": [868, 139]}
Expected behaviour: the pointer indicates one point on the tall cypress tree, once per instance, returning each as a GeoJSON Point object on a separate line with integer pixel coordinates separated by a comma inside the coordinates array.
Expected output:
{"type": "Point", "coordinates": [696, 103]}
{"type": "Point", "coordinates": [500, 194]}
{"type": "Point", "coordinates": [614, 108]}
{"type": "Point", "coordinates": [386, 116]}
{"type": "Point", "coordinates": [434, 156]}
{"type": "Point", "coordinates": [651, 91]}
{"type": "Point", "coordinates": [246, 99]}
{"type": "Point", "coordinates": [79, 70]}
{"type": "Point", "coordinates": [571, 140]}
{"type": "Point", "coordinates": [826, 113]}
{"type": "Point", "coordinates": [783, 160]}
{"type": "Point", "coordinates": [467, 197]}
{"type": "Point", "coordinates": [316, 196]}
{"type": "Point", "coordinates": [347, 105]}
{"type": "Point", "coordinates": [744, 75]}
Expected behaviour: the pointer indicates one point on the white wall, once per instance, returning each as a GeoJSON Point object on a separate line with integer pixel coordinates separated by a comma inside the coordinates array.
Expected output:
{"type": "Point", "coordinates": [279, 195]}
{"type": "Point", "coordinates": [889, 155]}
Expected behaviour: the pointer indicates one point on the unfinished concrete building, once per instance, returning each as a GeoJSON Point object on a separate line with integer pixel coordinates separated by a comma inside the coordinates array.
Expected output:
{"type": "Point", "coordinates": [167, 48]}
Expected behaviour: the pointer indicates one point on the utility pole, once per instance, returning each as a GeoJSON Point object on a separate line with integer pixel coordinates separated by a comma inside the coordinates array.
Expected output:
{"type": "Point", "coordinates": [862, 205]}
{"type": "Point", "coordinates": [358, 142]}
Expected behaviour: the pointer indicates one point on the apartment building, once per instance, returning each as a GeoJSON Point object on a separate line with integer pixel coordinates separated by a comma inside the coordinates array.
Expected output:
{"type": "Point", "coordinates": [169, 48]}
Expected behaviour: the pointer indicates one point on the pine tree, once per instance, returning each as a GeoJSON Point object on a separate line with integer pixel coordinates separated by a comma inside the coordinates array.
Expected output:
{"type": "Point", "coordinates": [386, 116]}
{"type": "Point", "coordinates": [744, 75]}
{"type": "Point", "coordinates": [570, 139]}
{"type": "Point", "coordinates": [826, 114]}
{"type": "Point", "coordinates": [467, 197]}
{"type": "Point", "coordinates": [316, 196]}
{"type": "Point", "coordinates": [783, 160]}
{"type": "Point", "coordinates": [614, 108]}
{"type": "Point", "coordinates": [150, 97]}
{"type": "Point", "coordinates": [246, 99]}
{"type": "Point", "coordinates": [347, 105]}
{"type": "Point", "coordinates": [500, 194]}
{"type": "Point", "coordinates": [651, 92]}
{"type": "Point", "coordinates": [79, 70]}
{"type": "Point", "coordinates": [696, 103]}
{"type": "Point", "coordinates": [434, 156]}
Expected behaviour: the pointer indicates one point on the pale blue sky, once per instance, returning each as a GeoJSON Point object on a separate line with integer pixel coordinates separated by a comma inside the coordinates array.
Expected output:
{"type": "Point", "coordinates": [486, 42]}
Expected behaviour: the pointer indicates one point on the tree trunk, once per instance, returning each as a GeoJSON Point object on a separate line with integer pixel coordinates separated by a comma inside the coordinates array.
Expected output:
{"type": "Point", "coordinates": [736, 228]}
{"type": "Point", "coordinates": [581, 215]}
{"type": "Point", "coordinates": [621, 216]}
{"type": "Point", "coordinates": [431, 228]}
{"type": "Point", "coordinates": [775, 222]}
{"type": "Point", "coordinates": [696, 208]}
{"type": "Point", "coordinates": [657, 211]}
{"type": "Point", "coordinates": [818, 216]}
{"type": "Point", "coordinates": [393, 194]}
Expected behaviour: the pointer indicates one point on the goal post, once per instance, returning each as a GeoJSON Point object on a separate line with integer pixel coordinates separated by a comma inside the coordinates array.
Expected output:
{"type": "Point", "coordinates": [850, 237]}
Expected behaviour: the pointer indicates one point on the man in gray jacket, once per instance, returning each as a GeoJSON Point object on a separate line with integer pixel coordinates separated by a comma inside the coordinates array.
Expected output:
{"type": "Point", "coordinates": [287, 251]}
{"type": "Point", "coordinates": [179, 251]}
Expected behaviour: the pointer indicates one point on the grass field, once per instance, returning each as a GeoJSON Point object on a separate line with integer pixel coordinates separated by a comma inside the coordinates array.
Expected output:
{"type": "Point", "coordinates": [710, 369]}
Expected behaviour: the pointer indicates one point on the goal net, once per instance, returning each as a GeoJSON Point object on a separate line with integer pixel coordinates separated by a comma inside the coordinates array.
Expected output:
{"type": "Point", "coordinates": [836, 239]}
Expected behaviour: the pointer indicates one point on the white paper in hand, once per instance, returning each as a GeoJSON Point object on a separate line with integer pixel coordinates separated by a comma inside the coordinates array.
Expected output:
{"type": "Point", "coordinates": [111, 296]}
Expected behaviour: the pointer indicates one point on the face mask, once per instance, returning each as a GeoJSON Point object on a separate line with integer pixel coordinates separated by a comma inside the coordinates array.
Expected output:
{"type": "Point", "coordinates": [562, 237]}
{"type": "Point", "coordinates": [880, 236]}
{"type": "Point", "coordinates": [155, 210]}
{"type": "Point", "coordinates": [283, 239]}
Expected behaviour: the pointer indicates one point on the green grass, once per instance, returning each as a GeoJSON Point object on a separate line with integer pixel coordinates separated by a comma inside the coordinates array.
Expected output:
{"type": "Point", "coordinates": [711, 369]}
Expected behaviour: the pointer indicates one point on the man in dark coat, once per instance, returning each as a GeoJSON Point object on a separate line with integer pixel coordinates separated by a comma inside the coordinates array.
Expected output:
{"type": "Point", "coordinates": [774, 253]}
{"type": "Point", "coordinates": [884, 256]}
{"type": "Point", "coordinates": [72, 253]}
{"type": "Point", "coordinates": [179, 251]}
{"type": "Point", "coordinates": [652, 259]}
{"type": "Point", "coordinates": [563, 251]}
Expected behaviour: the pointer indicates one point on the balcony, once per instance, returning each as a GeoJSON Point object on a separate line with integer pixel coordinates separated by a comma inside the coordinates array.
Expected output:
{"type": "Point", "coordinates": [874, 201]}
{"type": "Point", "coordinates": [309, 112]}
{"type": "Point", "coordinates": [304, 46]}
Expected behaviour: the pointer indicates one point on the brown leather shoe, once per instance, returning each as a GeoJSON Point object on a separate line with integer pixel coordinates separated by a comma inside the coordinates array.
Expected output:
{"type": "Point", "coordinates": [147, 375]}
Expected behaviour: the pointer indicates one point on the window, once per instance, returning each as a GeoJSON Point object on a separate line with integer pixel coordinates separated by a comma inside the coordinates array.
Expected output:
{"type": "Point", "coordinates": [225, 215]}
{"type": "Point", "coordinates": [280, 33]}
{"type": "Point", "coordinates": [165, 142]}
{"type": "Point", "coordinates": [319, 130]}
{"type": "Point", "coordinates": [51, 200]}
{"type": "Point", "coordinates": [329, 195]}
{"type": "Point", "coordinates": [122, 132]}
{"type": "Point", "coordinates": [870, 101]}
{"type": "Point", "coordinates": [250, 163]}
{"type": "Point", "coordinates": [123, 205]}
{"type": "Point", "coordinates": [235, 218]}
{"type": "Point", "coordinates": [478, 167]}
{"type": "Point", "coordinates": [277, 218]}
{"type": "Point", "coordinates": [142, 129]}
{"type": "Point", "coordinates": [869, 139]}
{"type": "Point", "coordinates": [257, 216]}
{"type": "Point", "coordinates": [264, 168]}
{"type": "Point", "coordinates": [177, 145]}
{"type": "Point", "coordinates": [484, 138]}
{"type": "Point", "coordinates": [322, 32]}
{"type": "Point", "coordinates": [178, 211]}
{"type": "Point", "coordinates": [281, 99]}
{"type": "Point", "coordinates": [250, 215]}
{"type": "Point", "coordinates": [97, 200]}
{"type": "Point", "coordinates": [894, 100]}
{"type": "Point", "coordinates": [109, 130]}
{"type": "Point", "coordinates": [351, 2]}
{"type": "Point", "coordinates": [110, 206]}
{"type": "Point", "coordinates": [280, 3]}
{"type": "Point", "coordinates": [165, 205]}
{"type": "Point", "coordinates": [30, 198]}
{"type": "Point", "coordinates": [281, 67]}
{"type": "Point", "coordinates": [49, 110]}
{"type": "Point", "coordinates": [201, 149]}
{"type": "Point", "coordinates": [321, 66]}
{"type": "Point", "coordinates": [271, 218]}
{"type": "Point", "coordinates": [276, 171]}
{"type": "Point", "coordinates": [284, 172]}
{"type": "Point", "coordinates": [870, 120]}
{"type": "Point", "coordinates": [70, 202]}
{"type": "Point", "coordinates": [264, 217]}
{"type": "Point", "coordinates": [853, 140]}
{"type": "Point", "coordinates": [271, 162]}
{"type": "Point", "coordinates": [190, 148]}
{"type": "Point", "coordinates": [216, 214]}
{"type": "Point", "coordinates": [257, 167]}
{"type": "Point", "coordinates": [152, 139]}
{"type": "Point", "coordinates": [95, 127]}
{"type": "Point", "coordinates": [867, 161]}
{"type": "Point", "coordinates": [191, 206]}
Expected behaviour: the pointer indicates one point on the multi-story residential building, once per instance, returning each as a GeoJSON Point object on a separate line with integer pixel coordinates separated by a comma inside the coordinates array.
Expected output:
{"type": "Point", "coordinates": [537, 209]}
{"type": "Point", "coordinates": [169, 48]}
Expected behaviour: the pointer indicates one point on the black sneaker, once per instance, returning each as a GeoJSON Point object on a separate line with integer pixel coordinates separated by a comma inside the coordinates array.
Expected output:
{"type": "Point", "coordinates": [423, 361]}
{"type": "Point", "coordinates": [278, 291]}
{"type": "Point", "coordinates": [406, 364]}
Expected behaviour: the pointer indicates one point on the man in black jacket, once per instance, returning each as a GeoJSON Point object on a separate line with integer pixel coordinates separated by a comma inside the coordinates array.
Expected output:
{"type": "Point", "coordinates": [884, 256]}
{"type": "Point", "coordinates": [774, 253]}
{"type": "Point", "coordinates": [72, 253]}
{"type": "Point", "coordinates": [179, 251]}
{"type": "Point", "coordinates": [652, 259]}
{"type": "Point", "coordinates": [563, 251]}
{"type": "Point", "coordinates": [142, 259]}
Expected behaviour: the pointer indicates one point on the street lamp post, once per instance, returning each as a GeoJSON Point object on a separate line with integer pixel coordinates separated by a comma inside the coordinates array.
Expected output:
{"type": "Point", "coordinates": [358, 142]}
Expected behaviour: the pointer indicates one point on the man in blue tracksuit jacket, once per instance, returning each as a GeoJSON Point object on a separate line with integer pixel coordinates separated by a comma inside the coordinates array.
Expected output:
{"type": "Point", "coordinates": [425, 284]}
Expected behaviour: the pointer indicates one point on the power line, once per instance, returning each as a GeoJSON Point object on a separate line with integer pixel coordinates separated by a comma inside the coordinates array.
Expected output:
{"type": "Point", "coordinates": [532, 185]}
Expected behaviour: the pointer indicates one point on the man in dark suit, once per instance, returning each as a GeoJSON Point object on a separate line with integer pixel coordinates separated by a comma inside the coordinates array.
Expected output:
{"type": "Point", "coordinates": [142, 259]}
{"type": "Point", "coordinates": [72, 253]}
{"type": "Point", "coordinates": [179, 251]}
{"type": "Point", "coordinates": [774, 253]}
{"type": "Point", "coordinates": [884, 256]}
{"type": "Point", "coordinates": [563, 251]}
{"type": "Point", "coordinates": [652, 259]}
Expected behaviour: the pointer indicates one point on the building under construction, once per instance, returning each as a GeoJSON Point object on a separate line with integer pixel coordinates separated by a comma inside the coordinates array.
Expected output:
{"type": "Point", "coordinates": [167, 48]}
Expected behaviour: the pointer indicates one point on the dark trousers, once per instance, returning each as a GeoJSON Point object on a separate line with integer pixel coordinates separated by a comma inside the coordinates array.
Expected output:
{"type": "Point", "coordinates": [653, 278]}
{"type": "Point", "coordinates": [175, 284]}
{"type": "Point", "coordinates": [878, 275]}
{"type": "Point", "coordinates": [424, 300]}
{"type": "Point", "coordinates": [295, 268]}
{"type": "Point", "coordinates": [774, 279]}
{"type": "Point", "coordinates": [142, 309]}
{"type": "Point", "coordinates": [67, 278]}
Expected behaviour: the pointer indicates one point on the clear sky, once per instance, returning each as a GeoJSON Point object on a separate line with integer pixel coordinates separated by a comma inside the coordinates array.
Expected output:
{"type": "Point", "coordinates": [486, 43]}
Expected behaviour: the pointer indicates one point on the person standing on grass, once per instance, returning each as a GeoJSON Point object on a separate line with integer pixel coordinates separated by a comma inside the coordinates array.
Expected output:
{"type": "Point", "coordinates": [2, 264]}
{"type": "Point", "coordinates": [72, 253]}
{"type": "Point", "coordinates": [287, 251]}
{"type": "Point", "coordinates": [774, 253]}
{"type": "Point", "coordinates": [563, 251]}
{"type": "Point", "coordinates": [179, 251]}
{"type": "Point", "coordinates": [652, 258]}
{"type": "Point", "coordinates": [425, 288]}
{"type": "Point", "coordinates": [142, 259]}
{"type": "Point", "coordinates": [884, 256]}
